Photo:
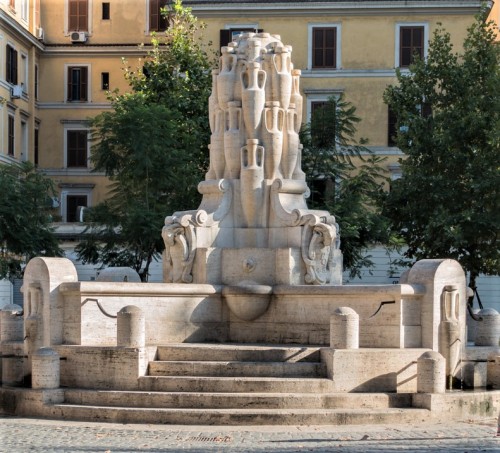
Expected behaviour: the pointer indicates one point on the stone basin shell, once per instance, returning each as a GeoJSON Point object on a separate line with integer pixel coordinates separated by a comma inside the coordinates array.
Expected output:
{"type": "Point", "coordinates": [247, 301]}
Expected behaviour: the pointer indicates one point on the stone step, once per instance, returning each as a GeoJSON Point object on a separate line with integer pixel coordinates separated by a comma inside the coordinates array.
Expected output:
{"type": "Point", "coordinates": [238, 353]}
{"type": "Point", "coordinates": [234, 384]}
{"type": "Point", "coordinates": [237, 369]}
{"type": "Point", "coordinates": [238, 416]}
{"type": "Point", "coordinates": [199, 400]}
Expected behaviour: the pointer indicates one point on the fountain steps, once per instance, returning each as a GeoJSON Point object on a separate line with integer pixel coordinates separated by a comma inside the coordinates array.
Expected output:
{"type": "Point", "coordinates": [250, 400]}
{"type": "Point", "coordinates": [227, 384]}
{"type": "Point", "coordinates": [237, 369]}
{"type": "Point", "coordinates": [246, 385]}
{"type": "Point", "coordinates": [231, 352]}
{"type": "Point", "coordinates": [238, 416]}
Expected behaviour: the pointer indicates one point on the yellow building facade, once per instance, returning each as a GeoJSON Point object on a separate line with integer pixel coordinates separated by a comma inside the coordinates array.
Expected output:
{"type": "Point", "coordinates": [60, 57]}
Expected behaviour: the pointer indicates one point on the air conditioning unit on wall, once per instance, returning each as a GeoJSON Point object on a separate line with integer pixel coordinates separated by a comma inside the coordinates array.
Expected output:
{"type": "Point", "coordinates": [16, 91]}
{"type": "Point", "coordinates": [78, 36]}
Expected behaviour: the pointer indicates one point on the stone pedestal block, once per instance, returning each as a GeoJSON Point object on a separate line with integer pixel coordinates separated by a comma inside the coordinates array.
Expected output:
{"type": "Point", "coordinates": [344, 329]}
{"type": "Point", "coordinates": [493, 372]}
{"type": "Point", "coordinates": [12, 364]}
{"type": "Point", "coordinates": [131, 327]}
{"type": "Point", "coordinates": [431, 373]}
{"type": "Point", "coordinates": [46, 371]}
{"type": "Point", "coordinates": [11, 320]}
{"type": "Point", "coordinates": [488, 330]}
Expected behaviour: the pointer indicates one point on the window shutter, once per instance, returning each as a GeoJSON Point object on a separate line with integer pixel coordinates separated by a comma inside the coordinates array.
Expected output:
{"type": "Point", "coordinates": [154, 9]}
{"type": "Point", "coordinates": [225, 38]}
{"type": "Point", "coordinates": [73, 15]}
{"type": "Point", "coordinates": [78, 15]}
{"type": "Point", "coordinates": [14, 67]}
{"type": "Point", "coordinates": [70, 84]}
{"type": "Point", "coordinates": [82, 15]}
{"type": "Point", "coordinates": [83, 83]}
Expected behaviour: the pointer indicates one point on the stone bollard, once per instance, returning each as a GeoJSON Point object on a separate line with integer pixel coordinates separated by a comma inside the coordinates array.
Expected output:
{"type": "Point", "coordinates": [131, 327]}
{"type": "Point", "coordinates": [493, 372]}
{"type": "Point", "coordinates": [431, 373]}
{"type": "Point", "coordinates": [344, 329]}
{"type": "Point", "coordinates": [12, 323]}
{"type": "Point", "coordinates": [46, 371]}
{"type": "Point", "coordinates": [488, 330]}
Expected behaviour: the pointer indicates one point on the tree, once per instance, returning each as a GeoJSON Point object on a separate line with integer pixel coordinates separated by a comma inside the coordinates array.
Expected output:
{"type": "Point", "coordinates": [152, 146]}
{"type": "Point", "coordinates": [447, 204]}
{"type": "Point", "coordinates": [25, 218]}
{"type": "Point", "coordinates": [345, 178]}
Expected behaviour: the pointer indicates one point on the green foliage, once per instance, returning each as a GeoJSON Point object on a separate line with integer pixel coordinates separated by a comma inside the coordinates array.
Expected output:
{"type": "Point", "coordinates": [152, 146]}
{"type": "Point", "coordinates": [447, 205]}
{"type": "Point", "coordinates": [346, 179]}
{"type": "Point", "coordinates": [25, 220]}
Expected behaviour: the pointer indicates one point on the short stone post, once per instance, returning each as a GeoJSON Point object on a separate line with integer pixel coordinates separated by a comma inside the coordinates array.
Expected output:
{"type": "Point", "coordinates": [131, 327]}
{"type": "Point", "coordinates": [488, 330]}
{"type": "Point", "coordinates": [431, 373]}
{"type": "Point", "coordinates": [493, 372]}
{"type": "Point", "coordinates": [11, 337]}
{"type": "Point", "coordinates": [344, 329]}
{"type": "Point", "coordinates": [46, 369]}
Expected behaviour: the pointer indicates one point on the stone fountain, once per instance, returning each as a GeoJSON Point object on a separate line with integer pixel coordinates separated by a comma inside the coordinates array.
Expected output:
{"type": "Point", "coordinates": [252, 297]}
{"type": "Point", "coordinates": [253, 229]}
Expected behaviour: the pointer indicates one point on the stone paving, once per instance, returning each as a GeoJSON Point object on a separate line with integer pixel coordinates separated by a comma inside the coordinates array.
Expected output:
{"type": "Point", "coordinates": [19, 435]}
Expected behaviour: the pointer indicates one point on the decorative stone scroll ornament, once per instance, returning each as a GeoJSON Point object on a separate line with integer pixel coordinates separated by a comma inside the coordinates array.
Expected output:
{"type": "Point", "coordinates": [318, 243]}
{"type": "Point", "coordinates": [180, 250]}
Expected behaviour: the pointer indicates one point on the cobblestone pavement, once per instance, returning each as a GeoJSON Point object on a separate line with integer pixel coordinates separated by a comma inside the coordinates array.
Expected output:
{"type": "Point", "coordinates": [19, 435]}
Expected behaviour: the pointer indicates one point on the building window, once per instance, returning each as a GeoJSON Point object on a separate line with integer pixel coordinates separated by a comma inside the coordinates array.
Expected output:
{"type": "Point", "coordinates": [24, 10]}
{"type": "Point", "coordinates": [78, 15]}
{"type": "Point", "coordinates": [11, 135]}
{"type": "Point", "coordinates": [324, 47]}
{"type": "Point", "coordinates": [411, 42]}
{"type": "Point", "coordinates": [36, 81]}
{"type": "Point", "coordinates": [324, 44]}
{"type": "Point", "coordinates": [157, 21]}
{"type": "Point", "coordinates": [74, 204]}
{"type": "Point", "coordinates": [76, 148]}
{"type": "Point", "coordinates": [24, 141]}
{"type": "Point", "coordinates": [24, 72]}
{"type": "Point", "coordinates": [11, 65]}
{"type": "Point", "coordinates": [78, 83]}
{"type": "Point", "coordinates": [105, 80]}
{"type": "Point", "coordinates": [391, 128]}
{"type": "Point", "coordinates": [36, 147]}
{"type": "Point", "coordinates": [105, 11]}
{"type": "Point", "coordinates": [231, 32]}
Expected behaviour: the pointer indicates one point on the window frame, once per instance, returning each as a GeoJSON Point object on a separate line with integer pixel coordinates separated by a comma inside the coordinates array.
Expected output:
{"type": "Point", "coordinates": [397, 46]}
{"type": "Point", "coordinates": [24, 71]}
{"type": "Point", "coordinates": [68, 130]}
{"type": "Point", "coordinates": [84, 191]}
{"type": "Point", "coordinates": [106, 11]}
{"type": "Point", "coordinates": [69, 84]}
{"type": "Point", "coordinates": [156, 5]}
{"type": "Point", "coordinates": [11, 64]}
{"type": "Point", "coordinates": [69, 25]}
{"type": "Point", "coordinates": [11, 134]}
{"type": "Point", "coordinates": [230, 31]}
{"type": "Point", "coordinates": [105, 81]}
{"type": "Point", "coordinates": [338, 45]}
